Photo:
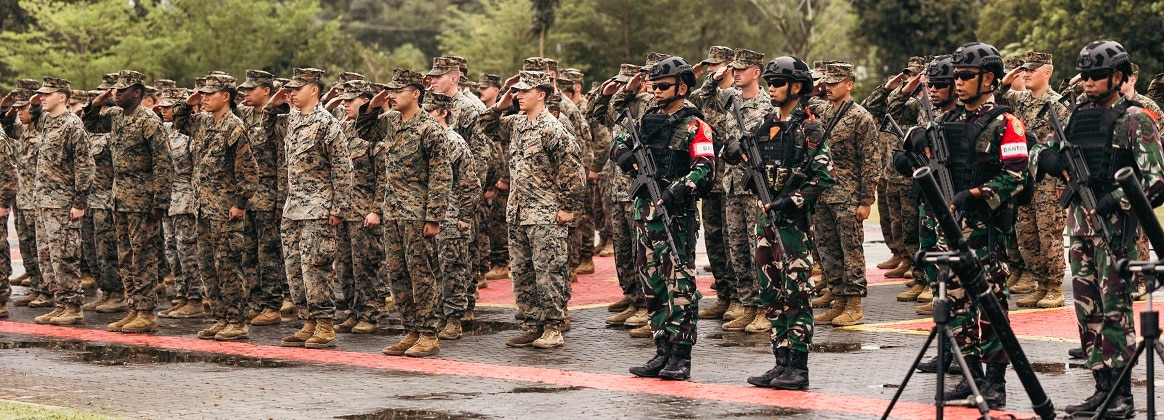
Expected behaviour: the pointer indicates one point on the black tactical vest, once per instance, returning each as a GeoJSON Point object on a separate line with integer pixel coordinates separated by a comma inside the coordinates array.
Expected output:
{"type": "Point", "coordinates": [1091, 130]}
{"type": "Point", "coordinates": [781, 150]}
{"type": "Point", "coordinates": [961, 141]}
{"type": "Point", "coordinates": [657, 130]}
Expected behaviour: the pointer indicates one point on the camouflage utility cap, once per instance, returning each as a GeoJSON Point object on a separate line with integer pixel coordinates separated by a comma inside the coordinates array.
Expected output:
{"type": "Point", "coordinates": [281, 82]}
{"type": "Point", "coordinates": [539, 64]}
{"type": "Point", "coordinates": [355, 88]}
{"type": "Point", "coordinates": [79, 97]}
{"type": "Point", "coordinates": [719, 54]}
{"type": "Point", "coordinates": [443, 65]}
{"type": "Point", "coordinates": [402, 78]}
{"type": "Point", "coordinates": [574, 75]}
{"type": "Point", "coordinates": [564, 84]}
{"type": "Point", "coordinates": [1037, 59]}
{"type": "Point", "coordinates": [462, 64]}
{"type": "Point", "coordinates": [434, 101]}
{"type": "Point", "coordinates": [532, 79]}
{"type": "Point", "coordinates": [626, 72]}
{"type": "Point", "coordinates": [304, 76]}
{"type": "Point", "coordinates": [53, 85]}
{"type": "Point", "coordinates": [256, 78]}
{"type": "Point", "coordinates": [216, 83]}
{"type": "Point", "coordinates": [652, 58]}
{"type": "Point", "coordinates": [171, 97]}
{"type": "Point", "coordinates": [917, 65]}
{"type": "Point", "coordinates": [24, 90]}
{"type": "Point", "coordinates": [746, 59]}
{"type": "Point", "coordinates": [128, 78]}
{"type": "Point", "coordinates": [348, 76]}
{"type": "Point", "coordinates": [489, 80]}
{"type": "Point", "coordinates": [837, 72]}
{"type": "Point", "coordinates": [163, 84]}
{"type": "Point", "coordinates": [1009, 64]}
{"type": "Point", "coordinates": [107, 81]}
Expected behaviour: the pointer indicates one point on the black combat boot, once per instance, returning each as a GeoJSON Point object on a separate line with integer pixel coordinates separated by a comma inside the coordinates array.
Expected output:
{"type": "Point", "coordinates": [679, 365]}
{"type": "Point", "coordinates": [1121, 406]}
{"type": "Point", "coordinates": [765, 379]}
{"type": "Point", "coordinates": [795, 376]}
{"type": "Point", "coordinates": [1102, 386]}
{"type": "Point", "coordinates": [994, 387]}
{"type": "Point", "coordinates": [1076, 353]}
{"type": "Point", "coordinates": [931, 366]}
{"type": "Point", "coordinates": [962, 390]}
{"type": "Point", "coordinates": [652, 367]}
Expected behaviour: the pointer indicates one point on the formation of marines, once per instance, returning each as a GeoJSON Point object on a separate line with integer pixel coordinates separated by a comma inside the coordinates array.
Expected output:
{"type": "Point", "coordinates": [252, 203]}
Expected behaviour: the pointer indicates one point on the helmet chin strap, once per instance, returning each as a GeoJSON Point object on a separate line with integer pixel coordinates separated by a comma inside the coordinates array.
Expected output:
{"type": "Point", "coordinates": [980, 93]}
{"type": "Point", "coordinates": [667, 102]}
{"type": "Point", "coordinates": [1113, 89]}
{"type": "Point", "coordinates": [949, 97]}
{"type": "Point", "coordinates": [788, 96]}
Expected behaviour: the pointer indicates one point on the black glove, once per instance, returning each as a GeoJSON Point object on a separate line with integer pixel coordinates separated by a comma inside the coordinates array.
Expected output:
{"type": "Point", "coordinates": [902, 163]}
{"type": "Point", "coordinates": [1051, 163]}
{"type": "Point", "coordinates": [1107, 204]}
{"type": "Point", "coordinates": [627, 161]}
{"type": "Point", "coordinates": [961, 200]}
{"type": "Point", "coordinates": [784, 205]}
{"type": "Point", "coordinates": [666, 198]}
{"type": "Point", "coordinates": [732, 150]}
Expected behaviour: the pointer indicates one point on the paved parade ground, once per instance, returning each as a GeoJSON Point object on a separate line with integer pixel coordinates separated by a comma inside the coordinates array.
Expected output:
{"type": "Point", "coordinates": [86, 372]}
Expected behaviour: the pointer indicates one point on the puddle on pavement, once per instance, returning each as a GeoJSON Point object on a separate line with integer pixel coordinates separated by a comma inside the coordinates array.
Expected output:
{"type": "Point", "coordinates": [404, 413]}
{"type": "Point", "coordinates": [777, 412]}
{"type": "Point", "coordinates": [835, 347]}
{"type": "Point", "coordinates": [543, 389]}
{"type": "Point", "coordinates": [440, 396]}
{"type": "Point", "coordinates": [1048, 367]}
{"type": "Point", "coordinates": [115, 355]}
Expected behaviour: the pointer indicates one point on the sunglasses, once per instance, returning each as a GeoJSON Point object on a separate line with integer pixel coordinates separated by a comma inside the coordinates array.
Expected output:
{"type": "Point", "coordinates": [776, 82]}
{"type": "Point", "coordinates": [940, 84]}
{"type": "Point", "coordinates": [663, 85]}
{"type": "Point", "coordinates": [1095, 75]}
{"type": "Point", "coordinates": [967, 75]}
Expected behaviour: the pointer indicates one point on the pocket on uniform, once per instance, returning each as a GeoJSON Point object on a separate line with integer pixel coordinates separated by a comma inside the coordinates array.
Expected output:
{"type": "Point", "coordinates": [322, 244]}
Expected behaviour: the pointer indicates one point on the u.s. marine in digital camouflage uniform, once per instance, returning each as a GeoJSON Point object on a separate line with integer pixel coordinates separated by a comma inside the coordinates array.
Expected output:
{"type": "Point", "coordinates": [100, 209]}
{"type": "Point", "coordinates": [362, 256]}
{"type": "Point", "coordinates": [19, 123]}
{"type": "Point", "coordinates": [1112, 132]}
{"type": "Point", "coordinates": [7, 204]}
{"type": "Point", "coordinates": [181, 221]}
{"type": "Point", "coordinates": [143, 173]}
{"type": "Point", "coordinates": [318, 187]}
{"type": "Point", "coordinates": [754, 103]}
{"type": "Point", "coordinates": [223, 179]}
{"type": "Point", "coordinates": [416, 202]}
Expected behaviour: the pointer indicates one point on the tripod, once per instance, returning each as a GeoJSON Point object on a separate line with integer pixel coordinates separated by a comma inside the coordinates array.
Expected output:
{"type": "Point", "coordinates": [1149, 330]}
{"type": "Point", "coordinates": [941, 330]}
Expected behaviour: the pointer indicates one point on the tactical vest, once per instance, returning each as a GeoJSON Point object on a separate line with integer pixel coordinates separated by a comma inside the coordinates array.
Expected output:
{"type": "Point", "coordinates": [658, 130]}
{"type": "Point", "coordinates": [962, 141]}
{"type": "Point", "coordinates": [781, 150]}
{"type": "Point", "coordinates": [1091, 130]}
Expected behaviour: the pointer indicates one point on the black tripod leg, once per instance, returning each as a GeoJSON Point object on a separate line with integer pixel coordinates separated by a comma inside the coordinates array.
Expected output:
{"type": "Point", "coordinates": [974, 393]}
{"type": "Point", "coordinates": [1125, 372]}
{"type": "Point", "coordinates": [909, 374]}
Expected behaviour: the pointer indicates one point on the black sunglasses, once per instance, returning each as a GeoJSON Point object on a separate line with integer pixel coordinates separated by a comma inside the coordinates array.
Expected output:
{"type": "Point", "coordinates": [940, 84]}
{"type": "Point", "coordinates": [967, 75]}
{"type": "Point", "coordinates": [1095, 74]}
{"type": "Point", "coordinates": [663, 85]}
{"type": "Point", "coordinates": [776, 82]}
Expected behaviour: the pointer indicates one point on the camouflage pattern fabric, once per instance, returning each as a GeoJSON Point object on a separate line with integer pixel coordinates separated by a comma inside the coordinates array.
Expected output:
{"type": "Point", "coordinates": [26, 145]}
{"type": "Point", "coordinates": [456, 271]}
{"type": "Point", "coordinates": [222, 246]}
{"type": "Point", "coordinates": [60, 251]}
{"type": "Point", "coordinates": [360, 264]}
{"type": "Point", "coordinates": [188, 277]}
{"type": "Point", "coordinates": [8, 187]}
{"type": "Point", "coordinates": [139, 238]}
{"type": "Point", "coordinates": [271, 284]}
{"type": "Point", "coordinates": [310, 248]}
{"type": "Point", "coordinates": [100, 207]}
{"type": "Point", "coordinates": [62, 182]}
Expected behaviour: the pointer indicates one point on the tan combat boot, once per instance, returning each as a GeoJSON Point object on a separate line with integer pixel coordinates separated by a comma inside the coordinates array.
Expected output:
{"type": "Point", "coordinates": [1013, 278]}
{"type": "Point", "coordinates": [498, 272]}
{"type": "Point", "coordinates": [145, 322]}
{"type": "Point", "coordinates": [899, 272]}
{"type": "Point", "coordinates": [44, 319]}
{"type": "Point", "coordinates": [24, 301]}
{"type": "Point", "coordinates": [816, 271]}
{"type": "Point", "coordinates": [301, 336]}
{"type": "Point", "coordinates": [405, 343]}
{"type": "Point", "coordinates": [71, 315]}
{"type": "Point", "coordinates": [565, 320]}
{"type": "Point", "coordinates": [347, 325]}
{"type": "Point", "coordinates": [364, 327]}
{"type": "Point", "coordinates": [116, 326]}
{"type": "Point", "coordinates": [853, 314]}
{"type": "Point", "coordinates": [42, 300]}
{"type": "Point", "coordinates": [233, 331]}
{"type": "Point", "coordinates": [468, 316]}
{"type": "Point", "coordinates": [452, 330]}
{"type": "Point", "coordinates": [177, 304]}
{"type": "Point", "coordinates": [641, 332]}
{"type": "Point", "coordinates": [714, 311]}
{"type": "Point", "coordinates": [892, 262]}
{"type": "Point", "coordinates": [742, 322]}
{"type": "Point", "coordinates": [734, 310]}
{"type": "Point", "coordinates": [267, 317]}
{"type": "Point", "coordinates": [1054, 296]}
{"type": "Point", "coordinates": [640, 318]}
{"type": "Point", "coordinates": [324, 336]}
{"type": "Point", "coordinates": [760, 324]}
{"type": "Point", "coordinates": [911, 294]}
{"type": "Point", "coordinates": [550, 338]}
{"type": "Point", "coordinates": [824, 301]}
{"type": "Point", "coordinates": [621, 305]}
{"type": "Point", "coordinates": [526, 338]}
{"type": "Point", "coordinates": [428, 345]}
{"type": "Point", "coordinates": [193, 309]}
{"type": "Point", "coordinates": [926, 295]}
{"type": "Point", "coordinates": [209, 333]}
{"type": "Point", "coordinates": [3, 310]}
{"type": "Point", "coordinates": [586, 267]}
{"type": "Point", "coordinates": [835, 310]}
{"type": "Point", "coordinates": [117, 303]}
{"type": "Point", "coordinates": [88, 282]}
{"type": "Point", "coordinates": [18, 280]}
{"type": "Point", "coordinates": [621, 317]}
{"type": "Point", "coordinates": [607, 249]}
{"type": "Point", "coordinates": [1032, 300]}
{"type": "Point", "coordinates": [1026, 284]}
{"type": "Point", "coordinates": [927, 309]}
{"type": "Point", "coordinates": [92, 306]}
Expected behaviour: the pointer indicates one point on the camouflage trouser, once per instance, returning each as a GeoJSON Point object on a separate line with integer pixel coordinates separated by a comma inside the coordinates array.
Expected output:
{"type": "Point", "coordinates": [271, 285]}
{"type": "Point", "coordinates": [478, 252]}
{"type": "Point", "coordinates": [358, 264]}
{"type": "Point", "coordinates": [188, 277]}
{"type": "Point", "coordinates": [105, 246]}
{"type": "Point", "coordinates": [222, 249]}
{"type": "Point", "coordinates": [927, 240]}
{"type": "Point", "coordinates": [411, 262]}
{"type": "Point", "coordinates": [5, 264]}
{"type": "Point", "coordinates": [886, 219]}
{"type": "Point", "coordinates": [974, 334]}
{"type": "Point", "coordinates": [672, 299]}
{"type": "Point", "coordinates": [783, 269]}
{"type": "Point", "coordinates": [839, 237]}
{"type": "Point", "coordinates": [88, 251]}
{"type": "Point", "coordinates": [498, 230]}
{"type": "Point", "coordinates": [309, 250]}
{"type": "Point", "coordinates": [139, 244]}
{"type": "Point", "coordinates": [739, 235]}
{"type": "Point", "coordinates": [602, 205]}
{"type": "Point", "coordinates": [713, 241]}
{"type": "Point", "coordinates": [169, 236]}
{"type": "Point", "coordinates": [903, 218]}
{"type": "Point", "coordinates": [624, 232]}
{"type": "Point", "coordinates": [26, 234]}
{"type": "Point", "coordinates": [582, 234]}
{"type": "Point", "coordinates": [59, 251]}
{"type": "Point", "coordinates": [1103, 303]}
{"type": "Point", "coordinates": [541, 277]}
{"type": "Point", "coordinates": [455, 274]}
{"type": "Point", "coordinates": [1039, 231]}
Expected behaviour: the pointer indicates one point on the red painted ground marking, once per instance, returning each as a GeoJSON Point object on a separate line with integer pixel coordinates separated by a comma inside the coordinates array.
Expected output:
{"type": "Point", "coordinates": [1059, 324]}
{"type": "Point", "coordinates": [604, 381]}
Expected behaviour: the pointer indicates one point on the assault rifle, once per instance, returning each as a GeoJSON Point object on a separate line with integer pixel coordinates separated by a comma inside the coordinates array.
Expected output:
{"type": "Point", "coordinates": [939, 155]}
{"type": "Point", "coordinates": [644, 177]}
{"type": "Point", "coordinates": [1077, 174]}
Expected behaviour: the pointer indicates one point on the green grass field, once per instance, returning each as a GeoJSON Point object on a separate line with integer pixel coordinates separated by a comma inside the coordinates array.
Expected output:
{"type": "Point", "coordinates": [20, 410]}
